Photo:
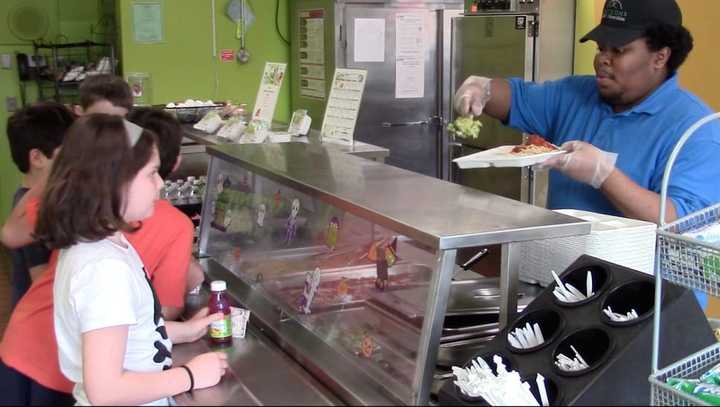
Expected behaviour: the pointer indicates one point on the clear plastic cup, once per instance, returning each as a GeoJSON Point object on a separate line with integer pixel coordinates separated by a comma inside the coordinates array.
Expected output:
{"type": "Point", "coordinates": [240, 318]}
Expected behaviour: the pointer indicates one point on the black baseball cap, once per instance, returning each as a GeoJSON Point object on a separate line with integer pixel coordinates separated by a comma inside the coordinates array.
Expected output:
{"type": "Point", "coordinates": [625, 21]}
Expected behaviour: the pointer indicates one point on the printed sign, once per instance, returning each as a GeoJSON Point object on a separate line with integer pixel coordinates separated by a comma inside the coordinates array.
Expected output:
{"type": "Point", "coordinates": [343, 105]}
{"type": "Point", "coordinates": [227, 55]}
{"type": "Point", "coordinates": [312, 53]}
{"type": "Point", "coordinates": [269, 91]}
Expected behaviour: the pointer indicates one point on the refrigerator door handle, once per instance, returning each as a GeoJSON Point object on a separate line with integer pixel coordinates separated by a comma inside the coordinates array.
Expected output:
{"type": "Point", "coordinates": [429, 121]}
{"type": "Point", "coordinates": [403, 124]}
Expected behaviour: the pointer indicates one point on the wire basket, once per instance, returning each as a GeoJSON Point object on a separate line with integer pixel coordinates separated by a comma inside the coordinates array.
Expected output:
{"type": "Point", "coordinates": [689, 368]}
{"type": "Point", "coordinates": [687, 261]}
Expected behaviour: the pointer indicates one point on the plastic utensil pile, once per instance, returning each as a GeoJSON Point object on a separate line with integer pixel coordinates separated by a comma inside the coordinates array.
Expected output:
{"type": "Point", "coordinates": [567, 293]}
{"type": "Point", "coordinates": [614, 316]}
{"type": "Point", "coordinates": [571, 365]}
{"type": "Point", "coordinates": [503, 389]}
{"type": "Point", "coordinates": [526, 337]}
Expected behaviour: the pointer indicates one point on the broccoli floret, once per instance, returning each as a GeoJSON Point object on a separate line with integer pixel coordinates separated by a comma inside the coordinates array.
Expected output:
{"type": "Point", "coordinates": [465, 127]}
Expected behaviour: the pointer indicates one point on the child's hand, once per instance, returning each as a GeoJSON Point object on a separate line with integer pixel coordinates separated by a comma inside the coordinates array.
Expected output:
{"type": "Point", "coordinates": [197, 326]}
{"type": "Point", "coordinates": [208, 369]}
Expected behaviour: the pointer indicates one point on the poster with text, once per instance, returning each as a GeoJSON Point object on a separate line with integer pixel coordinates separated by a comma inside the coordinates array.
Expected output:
{"type": "Point", "coordinates": [343, 105]}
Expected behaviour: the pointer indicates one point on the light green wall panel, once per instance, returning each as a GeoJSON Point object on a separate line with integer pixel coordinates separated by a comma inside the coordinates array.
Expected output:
{"type": "Point", "coordinates": [584, 53]}
{"type": "Point", "coordinates": [72, 22]}
{"type": "Point", "coordinates": [183, 65]}
{"type": "Point", "coordinates": [49, 7]}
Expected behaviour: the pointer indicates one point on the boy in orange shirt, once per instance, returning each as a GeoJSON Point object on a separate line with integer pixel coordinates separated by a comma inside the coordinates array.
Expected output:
{"type": "Point", "coordinates": [35, 134]}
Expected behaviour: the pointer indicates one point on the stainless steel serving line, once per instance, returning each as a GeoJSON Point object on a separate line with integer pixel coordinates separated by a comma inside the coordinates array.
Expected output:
{"type": "Point", "coordinates": [425, 211]}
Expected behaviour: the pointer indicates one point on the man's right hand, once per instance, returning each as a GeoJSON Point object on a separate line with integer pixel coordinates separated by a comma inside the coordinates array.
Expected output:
{"type": "Point", "coordinates": [471, 97]}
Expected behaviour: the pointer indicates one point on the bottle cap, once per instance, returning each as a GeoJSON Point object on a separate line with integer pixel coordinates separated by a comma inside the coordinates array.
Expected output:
{"type": "Point", "coordinates": [218, 285]}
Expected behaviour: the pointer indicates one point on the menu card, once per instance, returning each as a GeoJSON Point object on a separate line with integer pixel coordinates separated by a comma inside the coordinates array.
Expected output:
{"type": "Point", "coordinates": [269, 91]}
{"type": "Point", "coordinates": [343, 105]}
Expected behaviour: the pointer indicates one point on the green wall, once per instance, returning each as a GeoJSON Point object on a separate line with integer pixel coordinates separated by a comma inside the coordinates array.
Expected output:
{"type": "Point", "coordinates": [183, 66]}
{"type": "Point", "coordinates": [64, 25]}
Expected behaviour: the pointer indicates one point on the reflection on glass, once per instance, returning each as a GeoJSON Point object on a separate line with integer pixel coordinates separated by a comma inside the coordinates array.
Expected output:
{"type": "Point", "coordinates": [359, 287]}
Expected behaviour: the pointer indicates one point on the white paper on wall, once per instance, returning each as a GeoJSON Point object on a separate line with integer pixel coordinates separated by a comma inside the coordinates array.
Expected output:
{"type": "Point", "coordinates": [369, 40]}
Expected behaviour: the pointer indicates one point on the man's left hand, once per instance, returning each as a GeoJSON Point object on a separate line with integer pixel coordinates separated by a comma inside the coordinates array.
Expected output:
{"type": "Point", "coordinates": [584, 163]}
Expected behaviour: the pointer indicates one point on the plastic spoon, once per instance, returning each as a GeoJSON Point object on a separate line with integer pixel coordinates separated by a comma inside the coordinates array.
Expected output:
{"type": "Point", "coordinates": [540, 380]}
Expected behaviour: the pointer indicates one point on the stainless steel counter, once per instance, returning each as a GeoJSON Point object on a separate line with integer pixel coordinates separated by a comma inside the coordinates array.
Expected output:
{"type": "Point", "coordinates": [358, 148]}
{"type": "Point", "coordinates": [260, 373]}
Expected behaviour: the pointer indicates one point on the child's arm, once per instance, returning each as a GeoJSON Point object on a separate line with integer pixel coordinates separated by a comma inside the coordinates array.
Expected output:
{"type": "Point", "coordinates": [37, 271]}
{"type": "Point", "coordinates": [195, 275]}
{"type": "Point", "coordinates": [20, 224]}
{"type": "Point", "coordinates": [106, 383]}
{"type": "Point", "coordinates": [192, 329]}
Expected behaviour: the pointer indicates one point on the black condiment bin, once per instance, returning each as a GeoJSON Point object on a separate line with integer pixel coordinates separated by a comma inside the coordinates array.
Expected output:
{"type": "Point", "coordinates": [620, 374]}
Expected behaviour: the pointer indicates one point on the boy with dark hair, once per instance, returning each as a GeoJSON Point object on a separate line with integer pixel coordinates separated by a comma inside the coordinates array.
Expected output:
{"type": "Point", "coordinates": [169, 135]}
{"type": "Point", "coordinates": [35, 133]}
{"type": "Point", "coordinates": [104, 94]}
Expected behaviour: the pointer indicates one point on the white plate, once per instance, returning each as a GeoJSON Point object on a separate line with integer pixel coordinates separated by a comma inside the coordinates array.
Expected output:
{"type": "Point", "coordinates": [502, 157]}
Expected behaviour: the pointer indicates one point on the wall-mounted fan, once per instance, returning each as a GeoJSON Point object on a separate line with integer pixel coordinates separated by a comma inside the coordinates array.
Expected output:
{"type": "Point", "coordinates": [28, 22]}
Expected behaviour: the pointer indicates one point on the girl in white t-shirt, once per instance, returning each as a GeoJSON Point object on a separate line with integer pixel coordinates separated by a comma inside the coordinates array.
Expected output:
{"type": "Point", "coordinates": [112, 340]}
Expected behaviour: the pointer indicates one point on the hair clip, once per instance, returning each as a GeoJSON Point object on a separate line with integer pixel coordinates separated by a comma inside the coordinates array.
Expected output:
{"type": "Point", "coordinates": [133, 131]}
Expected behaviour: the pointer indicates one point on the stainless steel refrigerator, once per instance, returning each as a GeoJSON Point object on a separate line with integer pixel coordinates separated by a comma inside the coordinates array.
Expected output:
{"type": "Point", "coordinates": [408, 123]}
{"type": "Point", "coordinates": [532, 39]}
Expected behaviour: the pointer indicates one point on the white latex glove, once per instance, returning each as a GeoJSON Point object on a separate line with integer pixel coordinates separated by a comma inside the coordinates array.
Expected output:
{"type": "Point", "coordinates": [584, 163]}
{"type": "Point", "coordinates": [472, 96]}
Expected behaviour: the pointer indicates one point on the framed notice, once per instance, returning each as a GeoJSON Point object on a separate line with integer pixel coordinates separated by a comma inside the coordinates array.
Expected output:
{"type": "Point", "coordinates": [311, 26]}
{"type": "Point", "coordinates": [343, 105]}
{"type": "Point", "coordinates": [147, 21]}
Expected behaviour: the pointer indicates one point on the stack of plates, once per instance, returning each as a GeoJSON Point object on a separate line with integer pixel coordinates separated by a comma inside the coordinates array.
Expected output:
{"type": "Point", "coordinates": [627, 242]}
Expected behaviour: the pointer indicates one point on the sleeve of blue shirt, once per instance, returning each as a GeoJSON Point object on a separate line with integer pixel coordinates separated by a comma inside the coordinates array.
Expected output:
{"type": "Point", "coordinates": [694, 178]}
{"type": "Point", "coordinates": [534, 106]}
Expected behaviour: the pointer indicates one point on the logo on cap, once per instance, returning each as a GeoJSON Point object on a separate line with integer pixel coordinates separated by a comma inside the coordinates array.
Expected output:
{"type": "Point", "coordinates": [614, 11]}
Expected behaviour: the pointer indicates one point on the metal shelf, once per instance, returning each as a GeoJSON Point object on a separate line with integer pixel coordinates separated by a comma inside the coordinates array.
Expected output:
{"type": "Point", "coordinates": [690, 263]}
{"type": "Point", "coordinates": [83, 44]}
{"type": "Point", "coordinates": [59, 57]}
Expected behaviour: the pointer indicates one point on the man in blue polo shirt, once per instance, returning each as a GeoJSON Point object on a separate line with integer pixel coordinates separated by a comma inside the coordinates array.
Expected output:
{"type": "Point", "coordinates": [620, 125]}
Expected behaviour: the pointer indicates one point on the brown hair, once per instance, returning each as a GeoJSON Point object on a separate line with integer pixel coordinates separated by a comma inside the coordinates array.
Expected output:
{"type": "Point", "coordinates": [112, 88]}
{"type": "Point", "coordinates": [85, 194]}
{"type": "Point", "coordinates": [40, 126]}
{"type": "Point", "coordinates": [168, 131]}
